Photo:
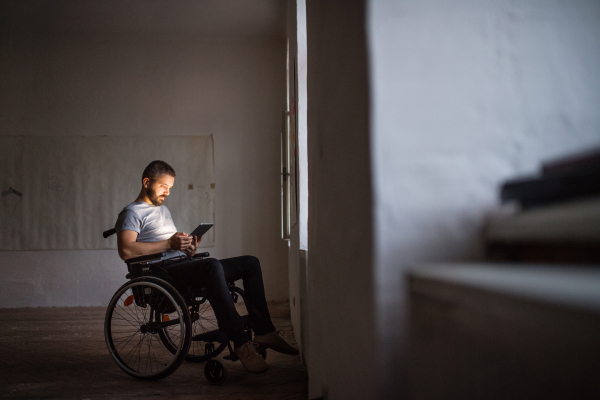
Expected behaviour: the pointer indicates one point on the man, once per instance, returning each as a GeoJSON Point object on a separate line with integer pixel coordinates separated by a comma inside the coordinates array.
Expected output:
{"type": "Point", "coordinates": [146, 227]}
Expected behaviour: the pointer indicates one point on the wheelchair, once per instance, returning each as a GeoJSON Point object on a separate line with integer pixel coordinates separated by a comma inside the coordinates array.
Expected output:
{"type": "Point", "coordinates": [151, 328]}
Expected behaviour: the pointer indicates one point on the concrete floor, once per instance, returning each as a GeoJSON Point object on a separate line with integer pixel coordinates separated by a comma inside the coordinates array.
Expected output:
{"type": "Point", "coordinates": [60, 353]}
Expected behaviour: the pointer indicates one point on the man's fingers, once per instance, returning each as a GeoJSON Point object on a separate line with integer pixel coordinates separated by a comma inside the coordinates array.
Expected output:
{"type": "Point", "coordinates": [180, 241]}
{"type": "Point", "coordinates": [183, 242]}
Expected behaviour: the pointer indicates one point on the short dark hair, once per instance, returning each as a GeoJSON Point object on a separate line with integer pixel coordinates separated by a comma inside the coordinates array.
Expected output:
{"type": "Point", "coordinates": [157, 168]}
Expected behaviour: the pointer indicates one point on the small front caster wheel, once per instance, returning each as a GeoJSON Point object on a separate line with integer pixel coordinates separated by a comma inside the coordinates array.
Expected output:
{"type": "Point", "coordinates": [215, 372]}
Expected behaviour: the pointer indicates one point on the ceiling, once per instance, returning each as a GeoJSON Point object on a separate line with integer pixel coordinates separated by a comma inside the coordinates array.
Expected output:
{"type": "Point", "coordinates": [203, 17]}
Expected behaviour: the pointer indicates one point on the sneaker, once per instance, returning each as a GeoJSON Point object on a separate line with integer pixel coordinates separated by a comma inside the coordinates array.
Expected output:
{"type": "Point", "coordinates": [251, 360]}
{"type": "Point", "coordinates": [273, 340]}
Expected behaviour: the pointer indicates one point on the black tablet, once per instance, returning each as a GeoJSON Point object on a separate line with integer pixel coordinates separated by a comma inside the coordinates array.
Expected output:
{"type": "Point", "coordinates": [201, 229]}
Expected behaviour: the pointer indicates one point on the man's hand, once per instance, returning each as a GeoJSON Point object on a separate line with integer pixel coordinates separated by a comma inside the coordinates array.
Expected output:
{"type": "Point", "coordinates": [191, 250]}
{"type": "Point", "coordinates": [180, 241]}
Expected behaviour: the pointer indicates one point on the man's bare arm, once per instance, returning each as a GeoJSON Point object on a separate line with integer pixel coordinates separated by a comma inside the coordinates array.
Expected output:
{"type": "Point", "coordinates": [129, 248]}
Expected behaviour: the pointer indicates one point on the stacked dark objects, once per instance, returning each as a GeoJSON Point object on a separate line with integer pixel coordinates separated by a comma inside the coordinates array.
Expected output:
{"type": "Point", "coordinates": [562, 181]}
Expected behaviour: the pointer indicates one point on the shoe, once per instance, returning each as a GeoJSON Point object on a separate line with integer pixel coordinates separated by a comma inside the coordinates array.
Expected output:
{"type": "Point", "coordinates": [251, 360]}
{"type": "Point", "coordinates": [273, 340]}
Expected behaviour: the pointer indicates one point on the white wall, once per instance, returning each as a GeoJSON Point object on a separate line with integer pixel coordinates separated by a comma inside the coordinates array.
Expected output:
{"type": "Point", "coordinates": [64, 84]}
{"type": "Point", "coordinates": [465, 95]}
{"type": "Point", "coordinates": [341, 361]}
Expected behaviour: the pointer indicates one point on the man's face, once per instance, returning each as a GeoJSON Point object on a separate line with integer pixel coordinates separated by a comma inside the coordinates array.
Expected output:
{"type": "Point", "coordinates": [158, 190]}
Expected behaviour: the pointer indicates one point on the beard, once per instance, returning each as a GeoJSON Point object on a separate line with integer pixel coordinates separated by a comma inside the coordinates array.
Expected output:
{"type": "Point", "coordinates": [154, 198]}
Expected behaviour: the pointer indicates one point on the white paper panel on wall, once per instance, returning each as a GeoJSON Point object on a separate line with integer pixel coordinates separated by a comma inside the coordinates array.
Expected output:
{"type": "Point", "coordinates": [62, 192]}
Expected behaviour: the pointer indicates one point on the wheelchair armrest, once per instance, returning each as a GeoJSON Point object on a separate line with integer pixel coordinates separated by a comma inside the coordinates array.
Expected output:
{"type": "Point", "coordinates": [149, 257]}
{"type": "Point", "coordinates": [109, 232]}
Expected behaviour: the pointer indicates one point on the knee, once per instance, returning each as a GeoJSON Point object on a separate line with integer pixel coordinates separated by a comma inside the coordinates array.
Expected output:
{"type": "Point", "coordinates": [213, 265]}
{"type": "Point", "coordinates": [253, 263]}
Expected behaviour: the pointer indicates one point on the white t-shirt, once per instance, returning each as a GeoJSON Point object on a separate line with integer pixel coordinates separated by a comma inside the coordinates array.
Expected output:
{"type": "Point", "coordinates": [152, 223]}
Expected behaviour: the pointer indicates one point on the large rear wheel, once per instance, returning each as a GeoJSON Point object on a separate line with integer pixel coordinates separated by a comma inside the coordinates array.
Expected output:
{"type": "Point", "coordinates": [140, 315]}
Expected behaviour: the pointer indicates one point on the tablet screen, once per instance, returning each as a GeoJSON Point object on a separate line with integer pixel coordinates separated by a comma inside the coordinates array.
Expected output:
{"type": "Point", "coordinates": [201, 229]}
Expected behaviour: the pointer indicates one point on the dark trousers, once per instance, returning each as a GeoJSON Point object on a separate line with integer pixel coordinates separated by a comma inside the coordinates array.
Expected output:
{"type": "Point", "coordinates": [213, 275]}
